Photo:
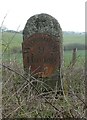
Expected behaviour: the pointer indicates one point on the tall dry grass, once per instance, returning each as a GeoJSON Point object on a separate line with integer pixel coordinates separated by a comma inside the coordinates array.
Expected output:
{"type": "Point", "coordinates": [22, 99]}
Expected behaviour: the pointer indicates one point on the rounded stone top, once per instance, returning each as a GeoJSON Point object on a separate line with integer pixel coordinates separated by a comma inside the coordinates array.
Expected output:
{"type": "Point", "coordinates": [42, 23]}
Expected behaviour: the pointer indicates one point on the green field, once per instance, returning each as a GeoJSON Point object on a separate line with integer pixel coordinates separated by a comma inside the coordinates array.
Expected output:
{"type": "Point", "coordinates": [12, 43]}
{"type": "Point", "coordinates": [73, 38]}
{"type": "Point", "coordinates": [17, 38]}
{"type": "Point", "coordinates": [12, 39]}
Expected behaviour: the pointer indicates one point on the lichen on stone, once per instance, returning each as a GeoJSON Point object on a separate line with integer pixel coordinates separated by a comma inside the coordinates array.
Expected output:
{"type": "Point", "coordinates": [42, 23]}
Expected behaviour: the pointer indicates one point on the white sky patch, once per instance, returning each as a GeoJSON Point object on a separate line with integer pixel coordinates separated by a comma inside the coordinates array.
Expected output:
{"type": "Point", "coordinates": [69, 13]}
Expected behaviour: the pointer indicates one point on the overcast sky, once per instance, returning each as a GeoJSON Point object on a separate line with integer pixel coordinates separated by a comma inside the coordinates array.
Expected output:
{"type": "Point", "coordinates": [69, 13]}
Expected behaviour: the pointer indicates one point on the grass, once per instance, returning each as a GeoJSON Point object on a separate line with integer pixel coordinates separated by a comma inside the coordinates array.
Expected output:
{"type": "Point", "coordinates": [20, 99]}
{"type": "Point", "coordinates": [68, 56]}
{"type": "Point", "coordinates": [14, 38]}
{"type": "Point", "coordinates": [74, 38]}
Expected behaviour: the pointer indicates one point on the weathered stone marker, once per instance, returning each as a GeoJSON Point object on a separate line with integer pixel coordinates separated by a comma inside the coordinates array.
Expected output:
{"type": "Point", "coordinates": [42, 46]}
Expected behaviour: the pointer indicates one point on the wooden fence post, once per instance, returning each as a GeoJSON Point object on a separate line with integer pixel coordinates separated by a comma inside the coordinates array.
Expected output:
{"type": "Point", "coordinates": [74, 55]}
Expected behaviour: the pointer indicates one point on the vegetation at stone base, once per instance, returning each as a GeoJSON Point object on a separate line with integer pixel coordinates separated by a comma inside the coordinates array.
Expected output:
{"type": "Point", "coordinates": [21, 99]}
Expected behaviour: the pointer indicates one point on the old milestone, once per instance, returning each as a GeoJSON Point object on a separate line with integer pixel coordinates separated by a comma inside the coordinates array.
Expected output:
{"type": "Point", "coordinates": [42, 45]}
